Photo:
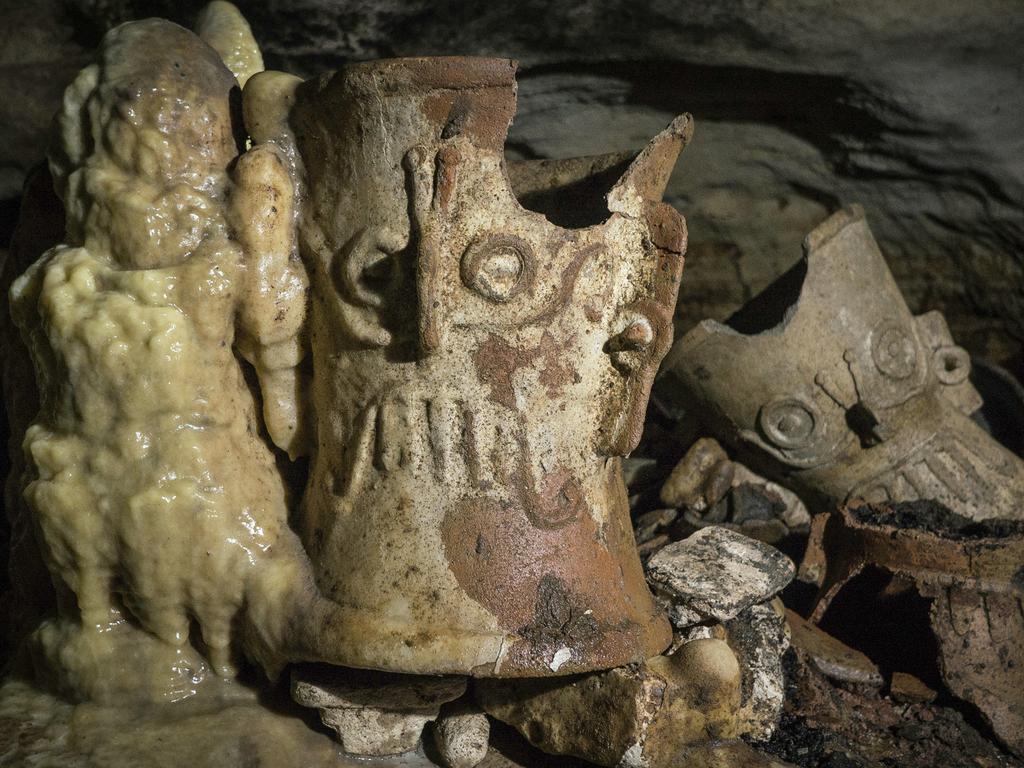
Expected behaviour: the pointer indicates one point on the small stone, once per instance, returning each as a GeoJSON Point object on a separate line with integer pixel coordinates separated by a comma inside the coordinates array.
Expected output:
{"type": "Point", "coordinates": [720, 478]}
{"type": "Point", "coordinates": [792, 512]}
{"type": "Point", "coordinates": [906, 688]}
{"type": "Point", "coordinates": [374, 713]}
{"type": "Point", "coordinates": [758, 637]}
{"type": "Point", "coordinates": [751, 501]}
{"type": "Point", "coordinates": [639, 473]}
{"type": "Point", "coordinates": [461, 735]}
{"type": "Point", "coordinates": [685, 484]}
{"type": "Point", "coordinates": [730, 494]}
{"type": "Point", "coordinates": [711, 666]}
{"type": "Point", "coordinates": [649, 524]}
{"type": "Point", "coordinates": [716, 573]}
{"type": "Point", "coordinates": [651, 546]}
{"type": "Point", "coordinates": [831, 657]}
{"type": "Point", "coordinates": [374, 732]}
{"type": "Point", "coordinates": [766, 531]}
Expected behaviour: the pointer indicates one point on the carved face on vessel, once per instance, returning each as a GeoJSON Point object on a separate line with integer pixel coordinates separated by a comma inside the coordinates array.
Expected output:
{"type": "Point", "coordinates": [477, 367]}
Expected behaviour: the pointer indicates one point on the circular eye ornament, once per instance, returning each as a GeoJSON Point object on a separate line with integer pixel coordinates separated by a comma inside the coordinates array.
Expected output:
{"type": "Point", "coordinates": [788, 422]}
{"type": "Point", "coordinates": [952, 364]}
{"type": "Point", "coordinates": [893, 350]}
{"type": "Point", "coordinates": [497, 267]}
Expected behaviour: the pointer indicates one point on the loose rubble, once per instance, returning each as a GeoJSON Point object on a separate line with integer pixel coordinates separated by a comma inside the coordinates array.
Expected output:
{"type": "Point", "coordinates": [715, 574]}
{"type": "Point", "coordinates": [640, 715]}
{"type": "Point", "coordinates": [722, 678]}
{"type": "Point", "coordinates": [711, 489]}
{"type": "Point", "coordinates": [970, 573]}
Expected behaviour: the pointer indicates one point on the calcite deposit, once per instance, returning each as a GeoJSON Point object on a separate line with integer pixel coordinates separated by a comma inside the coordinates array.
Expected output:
{"type": "Point", "coordinates": [154, 499]}
{"type": "Point", "coordinates": [477, 370]}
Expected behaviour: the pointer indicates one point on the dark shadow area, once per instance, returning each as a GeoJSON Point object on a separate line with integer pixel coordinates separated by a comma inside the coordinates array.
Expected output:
{"type": "Point", "coordinates": [773, 307]}
{"type": "Point", "coordinates": [569, 193]}
{"type": "Point", "coordinates": [1002, 414]}
{"type": "Point", "coordinates": [884, 617]}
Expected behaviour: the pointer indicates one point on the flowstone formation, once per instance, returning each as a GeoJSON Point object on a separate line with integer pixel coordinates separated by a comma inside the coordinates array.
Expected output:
{"type": "Point", "coordinates": [153, 497]}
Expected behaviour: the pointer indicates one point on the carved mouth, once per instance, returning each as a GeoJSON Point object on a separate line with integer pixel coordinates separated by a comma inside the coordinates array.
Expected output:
{"type": "Point", "coordinates": [468, 450]}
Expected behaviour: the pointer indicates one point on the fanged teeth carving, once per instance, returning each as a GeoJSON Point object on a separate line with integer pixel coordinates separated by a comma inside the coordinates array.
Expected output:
{"type": "Point", "coordinates": [466, 447]}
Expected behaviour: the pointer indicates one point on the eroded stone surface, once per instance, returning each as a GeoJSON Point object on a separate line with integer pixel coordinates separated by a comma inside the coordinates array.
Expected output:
{"type": "Point", "coordinates": [759, 637]}
{"type": "Point", "coordinates": [374, 713]}
{"type": "Point", "coordinates": [460, 734]}
{"type": "Point", "coordinates": [641, 715]}
{"type": "Point", "coordinates": [716, 573]}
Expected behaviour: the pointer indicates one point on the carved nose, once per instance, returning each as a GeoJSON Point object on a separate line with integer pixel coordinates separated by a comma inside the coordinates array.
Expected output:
{"type": "Point", "coordinates": [635, 337]}
{"type": "Point", "coordinates": [429, 331]}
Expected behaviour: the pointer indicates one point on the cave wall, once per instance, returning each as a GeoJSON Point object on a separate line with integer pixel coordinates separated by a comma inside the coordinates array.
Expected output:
{"type": "Point", "coordinates": [914, 109]}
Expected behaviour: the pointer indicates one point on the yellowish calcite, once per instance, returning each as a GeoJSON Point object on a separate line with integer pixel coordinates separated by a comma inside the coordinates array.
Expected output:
{"type": "Point", "coordinates": [155, 492]}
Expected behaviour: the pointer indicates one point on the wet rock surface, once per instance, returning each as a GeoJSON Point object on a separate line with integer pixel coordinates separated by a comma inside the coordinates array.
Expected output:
{"type": "Point", "coordinates": [803, 111]}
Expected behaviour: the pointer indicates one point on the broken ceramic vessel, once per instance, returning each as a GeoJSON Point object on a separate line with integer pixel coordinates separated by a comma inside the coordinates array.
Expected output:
{"type": "Point", "coordinates": [828, 383]}
{"type": "Point", "coordinates": [970, 572]}
{"type": "Point", "coordinates": [477, 369]}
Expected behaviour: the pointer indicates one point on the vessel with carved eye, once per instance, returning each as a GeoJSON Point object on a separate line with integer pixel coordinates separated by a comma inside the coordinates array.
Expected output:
{"type": "Point", "coordinates": [478, 369]}
{"type": "Point", "coordinates": [828, 382]}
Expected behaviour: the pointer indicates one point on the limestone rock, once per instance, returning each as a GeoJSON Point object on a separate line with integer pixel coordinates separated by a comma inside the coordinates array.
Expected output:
{"type": "Point", "coordinates": [640, 715]}
{"type": "Point", "coordinates": [700, 478]}
{"type": "Point", "coordinates": [374, 713]}
{"type": "Point", "coordinates": [759, 638]}
{"type": "Point", "coordinates": [716, 573]}
{"type": "Point", "coordinates": [460, 735]}
{"type": "Point", "coordinates": [711, 489]}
